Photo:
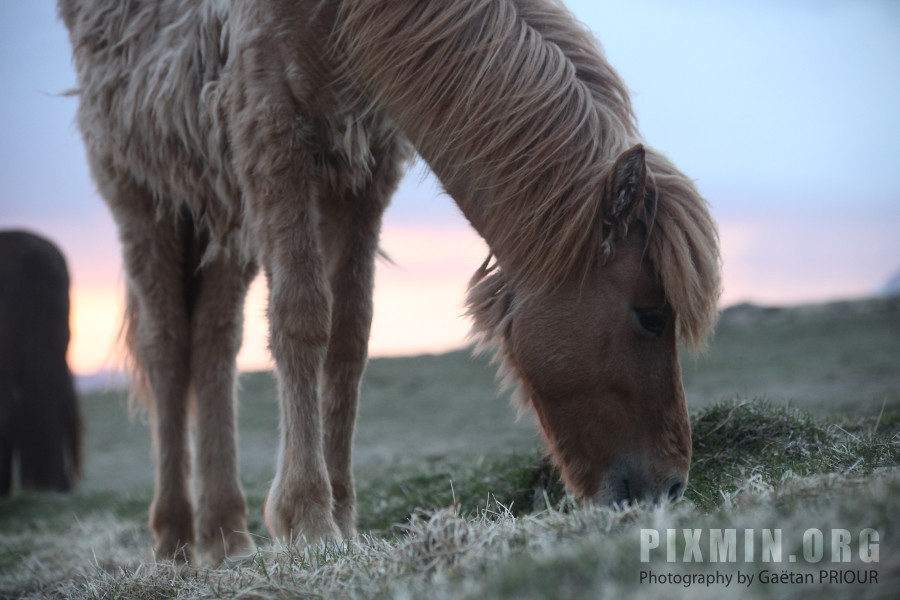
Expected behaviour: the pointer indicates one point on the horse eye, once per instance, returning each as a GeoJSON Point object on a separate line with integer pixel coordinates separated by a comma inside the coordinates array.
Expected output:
{"type": "Point", "coordinates": [652, 320]}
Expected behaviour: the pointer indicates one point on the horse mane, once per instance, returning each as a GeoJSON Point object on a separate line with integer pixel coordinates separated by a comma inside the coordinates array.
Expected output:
{"type": "Point", "coordinates": [505, 119]}
{"type": "Point", "coordinates": [516, 109]}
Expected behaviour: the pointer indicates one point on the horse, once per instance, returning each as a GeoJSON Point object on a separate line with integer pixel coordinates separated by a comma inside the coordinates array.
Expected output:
{"type": "Point", "coordinates": [40, 422]}
{"type": "Point", "coordinates": [228, 136]}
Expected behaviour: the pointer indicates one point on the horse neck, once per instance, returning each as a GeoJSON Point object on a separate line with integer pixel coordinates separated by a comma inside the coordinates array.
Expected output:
{"type": "Point", "coordinates": [502, 101]}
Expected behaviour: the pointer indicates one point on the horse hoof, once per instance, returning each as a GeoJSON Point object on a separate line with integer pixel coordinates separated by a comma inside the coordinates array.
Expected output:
{"type": "Point", "coordinates": [175, 551]}
{"type": "Point", "coordinates": [234, 548]}
{"type": "Point", "coordinates": [300, 529]}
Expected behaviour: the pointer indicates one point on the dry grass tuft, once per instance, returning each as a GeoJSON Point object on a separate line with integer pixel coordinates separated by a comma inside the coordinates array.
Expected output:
{"type": "Point", "coordinates": [576, 552]}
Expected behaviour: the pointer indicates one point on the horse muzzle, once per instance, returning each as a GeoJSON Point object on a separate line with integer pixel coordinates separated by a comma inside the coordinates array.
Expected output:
{"type": "Point", "coordinates": [629, 484]}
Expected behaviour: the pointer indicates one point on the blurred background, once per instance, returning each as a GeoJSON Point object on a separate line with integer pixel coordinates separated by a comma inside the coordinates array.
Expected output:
{"type": "Point", "coordinates": [785, 113]}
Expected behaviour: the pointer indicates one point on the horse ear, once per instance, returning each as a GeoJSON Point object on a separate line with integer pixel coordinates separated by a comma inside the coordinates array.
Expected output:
{"type": "Point", "coordinates": [630, 180]}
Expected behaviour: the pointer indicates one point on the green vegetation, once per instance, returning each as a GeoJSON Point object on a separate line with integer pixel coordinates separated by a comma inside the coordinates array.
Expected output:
{"type": "Point", "coordinates": [736, 440]}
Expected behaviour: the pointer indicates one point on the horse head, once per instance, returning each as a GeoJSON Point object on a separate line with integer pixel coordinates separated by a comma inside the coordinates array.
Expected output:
{"type": "Point", "coordinates": [595, 356]}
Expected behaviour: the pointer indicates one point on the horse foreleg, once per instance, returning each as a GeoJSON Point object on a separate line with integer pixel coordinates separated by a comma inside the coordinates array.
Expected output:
{"type": "Point", "coordinates": [350, 230]}
{"type": "Point", "coordinates": [284, 221]}
{"type": "Point", "coordinates": [299, 505]}
{"type": "Point", "coordinates": [216, 322]}
{"type": "Point", "coordinates": [352, 275]}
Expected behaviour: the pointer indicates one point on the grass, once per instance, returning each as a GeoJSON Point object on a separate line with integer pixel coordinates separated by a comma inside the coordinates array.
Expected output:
{"type": "Point", "coordinates": [839, 358]}
{"type": "Point", "coordinates": [733, 440]}
{"type": "Point", "coordinates": [456, 501]}
{"type": "Point", "coordinates": [499, 527]}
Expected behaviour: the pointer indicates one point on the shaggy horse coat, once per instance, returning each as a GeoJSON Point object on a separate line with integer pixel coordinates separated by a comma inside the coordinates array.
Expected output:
{"type": "Point", "coordinates": [40, 425]}
{"type": "Point", "coordinates": [227, 135]}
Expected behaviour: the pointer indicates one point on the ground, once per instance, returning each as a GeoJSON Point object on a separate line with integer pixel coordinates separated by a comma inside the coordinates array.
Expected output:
{"type": "Point", "coordinates": [796, 414]}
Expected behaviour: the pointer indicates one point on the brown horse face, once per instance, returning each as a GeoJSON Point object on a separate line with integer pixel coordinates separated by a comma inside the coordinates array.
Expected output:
{"type": "Point", "coordinates": [598, 357]}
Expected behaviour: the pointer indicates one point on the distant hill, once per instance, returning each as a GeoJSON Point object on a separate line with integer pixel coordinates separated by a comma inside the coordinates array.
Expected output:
{"type": "Point", "coordinates": [746, 312]}
{"type": "Point", "coordinates": [101, 381]}
{"type": "Point", "coordinates": [824, 358]}
{"type": "Point", "coordinates": [891, 286]}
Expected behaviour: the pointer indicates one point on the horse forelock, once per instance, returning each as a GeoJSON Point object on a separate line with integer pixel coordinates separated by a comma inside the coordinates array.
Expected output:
{"type": "Point", "coordinates": [683, 245]}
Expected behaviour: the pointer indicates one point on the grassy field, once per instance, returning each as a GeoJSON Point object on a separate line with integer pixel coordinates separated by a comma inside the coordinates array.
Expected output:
{"type": "Point", "coordinates": [796, 416]}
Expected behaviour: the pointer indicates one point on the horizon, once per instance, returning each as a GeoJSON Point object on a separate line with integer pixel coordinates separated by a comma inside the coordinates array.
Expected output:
{"type": "Point", "coordinates": [785, 115]}
{"type": "Point", "coordinates": [108, 378]}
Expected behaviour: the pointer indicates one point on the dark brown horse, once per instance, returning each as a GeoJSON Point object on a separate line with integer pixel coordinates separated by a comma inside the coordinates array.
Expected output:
{"type": "Point", "coordinates": [40, 425]}
{"type": "Point", "coordinates": [230, 134]}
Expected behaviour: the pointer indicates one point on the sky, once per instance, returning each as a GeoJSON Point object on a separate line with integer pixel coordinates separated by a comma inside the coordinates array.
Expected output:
{"type": "Point", "coordinates": [787, 115]}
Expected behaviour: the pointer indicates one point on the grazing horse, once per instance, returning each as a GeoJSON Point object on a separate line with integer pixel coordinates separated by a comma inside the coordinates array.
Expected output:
{"type": "Point", "coordinates": [40, 425]}
{"type": "Point", "coordinates": [226, 135]}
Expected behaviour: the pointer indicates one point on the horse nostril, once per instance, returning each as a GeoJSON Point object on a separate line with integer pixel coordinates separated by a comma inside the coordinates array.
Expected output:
{"type": "Point", "coordinates": [630, 485]}
{"type": "Point", "coordinates": [676, 489]}
{"type": "Point", "coordinates": [630, 491]}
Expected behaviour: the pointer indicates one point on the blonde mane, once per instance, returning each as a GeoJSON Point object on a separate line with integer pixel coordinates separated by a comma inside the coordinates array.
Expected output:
{"type": "Point", "coordinates": [526, 141]}
{"type": "Point", "coordinates": [502, 118]}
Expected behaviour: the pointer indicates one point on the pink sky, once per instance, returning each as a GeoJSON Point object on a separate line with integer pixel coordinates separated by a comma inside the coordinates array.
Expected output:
{"type": "Point", "coordinates": [419, 301]}
{"type": "Point", "coordinates": [769, 256]}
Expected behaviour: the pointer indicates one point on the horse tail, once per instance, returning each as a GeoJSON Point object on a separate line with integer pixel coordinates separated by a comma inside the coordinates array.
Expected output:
{"type": "Point", "coordinates": [195, 249]}
{"type": "Point", "coordinates": [139, 389]}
